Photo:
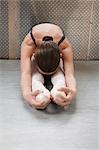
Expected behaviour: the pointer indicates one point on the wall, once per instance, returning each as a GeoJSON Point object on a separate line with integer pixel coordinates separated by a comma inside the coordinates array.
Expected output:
{"type": "Point", "coordinates": [78, 18]}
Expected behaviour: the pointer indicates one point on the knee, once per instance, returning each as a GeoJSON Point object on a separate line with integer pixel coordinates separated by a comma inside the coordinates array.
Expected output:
{"type": "Point", "coordinates": [37, 77]}
{"type": "Point", "coordinates": [58, 79]}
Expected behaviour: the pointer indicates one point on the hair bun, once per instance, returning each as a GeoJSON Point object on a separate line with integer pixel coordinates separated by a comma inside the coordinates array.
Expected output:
{"type": "Point", "coordinates": [47, 38]}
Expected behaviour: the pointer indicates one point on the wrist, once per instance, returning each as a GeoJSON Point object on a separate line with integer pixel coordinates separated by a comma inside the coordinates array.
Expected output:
{"type": "Point", "coordinates": [26, 93]}
{"type": "Point", "coordinates": [73, 91]}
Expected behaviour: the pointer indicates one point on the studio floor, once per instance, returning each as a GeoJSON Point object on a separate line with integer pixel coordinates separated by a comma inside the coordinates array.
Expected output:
{"type": "Point", "coordinates": [24, 128]}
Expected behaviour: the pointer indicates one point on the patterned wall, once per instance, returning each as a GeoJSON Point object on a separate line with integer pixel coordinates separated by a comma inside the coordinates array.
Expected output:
{"type": "Point", "coordinates": [4, 35]}
{"type": "Point", "coordinates": [78, 18]}
{"type": "Point", "coordinates": [94, 45]}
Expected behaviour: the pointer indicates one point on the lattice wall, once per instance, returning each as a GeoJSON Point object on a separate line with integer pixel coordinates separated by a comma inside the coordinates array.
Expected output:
{"type": "Point", "coordinates": [78, 18]}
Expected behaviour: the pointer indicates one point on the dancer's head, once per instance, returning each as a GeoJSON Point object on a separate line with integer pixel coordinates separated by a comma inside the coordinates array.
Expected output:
{"type": "Point", "coordinates": [47, 57]}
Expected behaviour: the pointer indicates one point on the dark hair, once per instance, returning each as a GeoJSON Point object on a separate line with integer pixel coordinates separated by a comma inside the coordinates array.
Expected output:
{"type": "Point", "coordinates": [47, 56]}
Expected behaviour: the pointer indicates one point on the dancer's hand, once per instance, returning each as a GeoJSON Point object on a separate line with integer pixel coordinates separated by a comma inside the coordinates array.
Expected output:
{"type": "Point", "coordinates": [70, 93]}
{"type": "Point", "coordinates": [31, 99]}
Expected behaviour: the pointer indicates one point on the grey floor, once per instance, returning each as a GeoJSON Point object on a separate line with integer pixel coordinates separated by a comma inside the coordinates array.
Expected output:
{"type": "Point", "coordinates": [24, 128]}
